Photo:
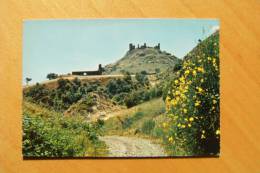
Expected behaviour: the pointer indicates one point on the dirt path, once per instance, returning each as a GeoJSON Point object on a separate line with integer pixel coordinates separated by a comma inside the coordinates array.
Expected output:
{"type": "Point", "coordinates": [121, 146]}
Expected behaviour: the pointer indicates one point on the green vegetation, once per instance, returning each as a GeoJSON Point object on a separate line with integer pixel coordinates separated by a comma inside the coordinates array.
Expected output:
{"type": "Point", "coordinates": [193, 103]}
{"type": "Point", "coordinates": [51, 76]}
{"type": "Point", "coordinates": [50, 134]}
{"type": "Point", "coordinates": [139, 120]}
{"type": "Point", "coordinates": [148, 126]}
{"type": "Point", "coordinates": [130, 92]}
{"type": "Point", "coordinates": [142, 78]}
{"type": "Point", "coordinates": [67, 93]}
{"type": "Point", "coordinates": [56, 122]}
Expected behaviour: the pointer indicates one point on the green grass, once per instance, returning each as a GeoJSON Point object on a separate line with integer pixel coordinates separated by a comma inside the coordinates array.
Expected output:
{"type": "Point", "coordinates": [144, 121]}
{"type": "Point", "coordinates": [48, 133]}
{"type": "Point", "coordinates": [130, 121]}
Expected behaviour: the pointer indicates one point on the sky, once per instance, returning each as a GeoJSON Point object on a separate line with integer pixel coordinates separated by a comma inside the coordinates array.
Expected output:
{"type": "Point", "coordinates": [63, 46]}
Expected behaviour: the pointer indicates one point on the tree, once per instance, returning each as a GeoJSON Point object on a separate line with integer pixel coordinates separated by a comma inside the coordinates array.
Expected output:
{"type": "Point", "coordinates": [51, 76]}
{"type": "Point", "coordinates": [127, 77]}
{"type": "Point", "coordinates": [28, 80]}
{"type": "Point", "coordinates": [142, 78]}
{"type": "Point", "coordinates": [157, 70]}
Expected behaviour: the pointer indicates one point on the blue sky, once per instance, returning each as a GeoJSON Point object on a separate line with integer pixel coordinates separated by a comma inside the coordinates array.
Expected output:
{"type": "Point", "coordinates": [61, 46]}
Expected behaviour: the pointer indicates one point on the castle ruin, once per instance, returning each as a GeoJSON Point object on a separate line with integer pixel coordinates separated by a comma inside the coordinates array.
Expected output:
{"type": "Point", "coordinates": [132, 46]}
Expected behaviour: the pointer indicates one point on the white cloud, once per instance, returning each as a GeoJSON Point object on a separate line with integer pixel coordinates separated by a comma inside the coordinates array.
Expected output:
{"type": "Point", "coordinates": [215, 28]}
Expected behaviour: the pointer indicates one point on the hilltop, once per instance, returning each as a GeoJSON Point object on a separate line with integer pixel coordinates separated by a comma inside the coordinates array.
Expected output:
{"type": "Point", "coordinates": [150, 59]}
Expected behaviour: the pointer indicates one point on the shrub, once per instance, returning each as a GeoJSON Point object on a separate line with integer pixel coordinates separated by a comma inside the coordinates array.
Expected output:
{"type": "Point", "coordinates": [51, 76]}
{"type": "Point", "coordinates": [61, 98]}
{"type": "Point", "coordinates": [142, 78]}
{"type": "Point", "coordinates": [192, 102]}
{"type": "Point", "coordinates": [117, 86]}
{"type": "Point", "coordinates": [58, 136]}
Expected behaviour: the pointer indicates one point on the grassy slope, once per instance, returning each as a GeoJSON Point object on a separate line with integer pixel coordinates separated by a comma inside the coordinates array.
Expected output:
{"type": "Point", "coordinates": [32, 109]}
{"type": "Point", "coordinates": [135, 118]}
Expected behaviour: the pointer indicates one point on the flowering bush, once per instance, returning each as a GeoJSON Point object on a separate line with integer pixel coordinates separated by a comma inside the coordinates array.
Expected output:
{"type": "Point", "coordinates": [192, 102]}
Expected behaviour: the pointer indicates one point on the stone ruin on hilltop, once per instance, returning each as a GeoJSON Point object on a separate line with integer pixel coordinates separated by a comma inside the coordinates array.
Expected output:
{"type": "Point", "coordinates": [132, 46]}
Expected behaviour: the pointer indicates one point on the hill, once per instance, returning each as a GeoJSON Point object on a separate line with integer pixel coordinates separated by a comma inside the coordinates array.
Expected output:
{"type": "Point", "coordinates": [150, 59]}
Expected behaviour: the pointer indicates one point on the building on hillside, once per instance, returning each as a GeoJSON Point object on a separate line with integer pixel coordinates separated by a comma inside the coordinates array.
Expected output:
{"type": "Point", "coordinates": [87, 73]}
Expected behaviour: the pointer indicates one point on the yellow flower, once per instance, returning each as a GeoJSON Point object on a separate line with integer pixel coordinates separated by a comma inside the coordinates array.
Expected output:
{"type": "Point", "coordinates": [191, 119]}
{"type": "Point", "coordinates": [201, 69]}
{"type": "Point", "coordinates": [194, 73]}
{"type": "Point", "coordinates": [197, 103]}
{"type": "Point", "coordinates": [187, 72]}
{"type": "Point", "coordinates": [177, 92]}
{"type": "Point", "coordinates": [170, 139]}
{"type": "Point", "coordinates": [165, 125]}
{"type": "Point", "coordinates": [183, 126]}
{"type": "Point", "coordinates": [174, 102]}
{"type": "Point", "coordinates": [189, 125]}
{"type": "Point", "coordinates": [176, 81]}
{"type": "Point", "coordinates": [200, 90]}
{"type": "Point", "coordinates": [183, 96]}
{"type": "Point", "coordinates": [185, 110]}
{"type": "Point", "coordinates": [179, 125]}
{"type": "Point", "coordinates": [209, 58]}
{"type": "Point", "coordinates": [203, 131]}
{"type": "Point", "coordinates": [214, 101]}
{"type": "Point", "coordinates": [182, 79]}
{"type": "Point", "coordinates": [201, 80]}
{"type": "Point", "coordinates": [202, 136]}
{"type": "Point", "coordinates": [218, 132]}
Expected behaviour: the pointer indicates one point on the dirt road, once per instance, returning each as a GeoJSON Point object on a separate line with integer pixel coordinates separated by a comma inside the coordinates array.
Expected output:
{"type": "Point", "coordinates": [121, 146]}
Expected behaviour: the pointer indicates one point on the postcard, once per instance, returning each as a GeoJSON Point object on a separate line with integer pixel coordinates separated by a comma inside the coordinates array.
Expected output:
{"type": "Point", "coordinates": [111, 88]}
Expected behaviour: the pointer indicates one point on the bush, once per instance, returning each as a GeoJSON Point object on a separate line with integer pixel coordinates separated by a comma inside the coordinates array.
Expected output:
{"type": "Point", "coordinates": [192, 102]}
{"type": "Point", "coordinates": [117, 86]}
{"type": "Point", "coordinates": [120, 98]}
{"type": "Point", "coordinates": [61, 98]}
{"type": "Point", "coordinates": [58, 136]}
{"type": "Point", "coordinates": [142, 78]}
{"type": "Point", "coordinates": [51, 76]}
